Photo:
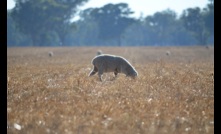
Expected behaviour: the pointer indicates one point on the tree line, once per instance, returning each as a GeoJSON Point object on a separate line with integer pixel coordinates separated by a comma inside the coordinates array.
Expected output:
{"type": "Point", "coordinates": [48, 23]}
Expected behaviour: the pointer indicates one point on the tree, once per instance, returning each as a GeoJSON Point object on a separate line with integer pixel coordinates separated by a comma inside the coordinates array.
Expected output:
{"type": "Point", "coordinates": [209, 18]}
{"type": "Point", "coordinates": [135, 34]}
{"type": "Point", "coordinates": [193, 21]}
{"type": "Point", "coordinates": [162, 28]}
{"type": "Point", "coordinates": [35, 17]}
{"type": "Point", "coordinates": [14, 36]}
{"type": "Point", "coordinates": [161, 25]}
{"type": "Point", "coordinates": [112, 20]}
{"type": "Point", "coordinates": [86, 33]}
{"type": "Point", "coordinates": [11, 31]}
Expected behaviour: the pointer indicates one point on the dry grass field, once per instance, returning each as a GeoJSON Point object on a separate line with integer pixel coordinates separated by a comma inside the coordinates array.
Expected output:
{"type": "Point", "coordinates": [173, 94]}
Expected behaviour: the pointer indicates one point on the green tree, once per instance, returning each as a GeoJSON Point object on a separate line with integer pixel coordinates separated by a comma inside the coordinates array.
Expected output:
{"type": "Point", "coordinates": [160, 25]}
{"type": "Point", "coordinates": [14, 36]}
{"type": "Point", "coordinates": [112, 20]}
{"type": "Point", "coordinates": [162, 28]}
{"type": "Point", "coordinates": [209, 18]}
{"type": "Point", "coordinates": [194, 22]}
{"type": "Point", "coordinates": [135, 34]}
{"type": "Point", "coordinates": [86, 33]}
{"type": "Point", "coordinates": [35, 17]}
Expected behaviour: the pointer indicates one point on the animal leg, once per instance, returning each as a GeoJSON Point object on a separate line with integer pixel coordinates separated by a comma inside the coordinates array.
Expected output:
{"type": "Point", "coordinates": [94, 71]}
{"type": "Point", "coordinates": [115, 74]}
{"type": "Point", "coordinates": [100, 72]}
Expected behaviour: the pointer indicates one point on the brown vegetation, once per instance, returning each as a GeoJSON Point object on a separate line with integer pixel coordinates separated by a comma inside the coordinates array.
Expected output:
{"type": "Point", "coordinates": [172, 94]}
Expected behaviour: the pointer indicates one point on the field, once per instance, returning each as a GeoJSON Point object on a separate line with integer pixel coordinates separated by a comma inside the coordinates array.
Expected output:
{"type": "Point", "coordinates": [173, 94]}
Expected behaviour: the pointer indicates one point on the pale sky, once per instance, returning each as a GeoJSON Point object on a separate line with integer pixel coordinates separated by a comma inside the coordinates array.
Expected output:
{"type": "Point", "coordinates": [147, 7]}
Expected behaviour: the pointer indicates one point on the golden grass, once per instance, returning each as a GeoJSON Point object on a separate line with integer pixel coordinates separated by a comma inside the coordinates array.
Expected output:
{"type": "Point", "coordinates": [172, 94]}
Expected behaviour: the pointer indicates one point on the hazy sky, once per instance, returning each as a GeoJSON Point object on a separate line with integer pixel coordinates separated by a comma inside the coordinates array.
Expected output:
{"type": "Point", "coordinates": [147, 7]}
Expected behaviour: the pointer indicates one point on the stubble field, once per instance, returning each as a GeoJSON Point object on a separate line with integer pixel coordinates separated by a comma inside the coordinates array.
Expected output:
{"type": "Point", "coordinates": [174, 92]}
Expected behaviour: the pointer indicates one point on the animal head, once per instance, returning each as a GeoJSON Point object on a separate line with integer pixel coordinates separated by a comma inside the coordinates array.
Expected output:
{"type": "Point", "coordinates": [131, 72]}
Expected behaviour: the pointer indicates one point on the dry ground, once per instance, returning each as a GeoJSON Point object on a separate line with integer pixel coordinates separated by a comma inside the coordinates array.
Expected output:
{"type": "Point", "coordinates": [173, 93]}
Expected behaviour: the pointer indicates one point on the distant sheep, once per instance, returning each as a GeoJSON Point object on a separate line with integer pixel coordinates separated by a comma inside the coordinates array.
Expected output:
{"type": "Point", "coordinates": [111, 63]}
{"type": "Point", "coordinates": [207, 46]}
{"type": "Point", "coordinates": [50, 54]}
{"type": "Point", "coordinates": [168, 53]}
{"type": "Point", "coordinates": [99, 52]}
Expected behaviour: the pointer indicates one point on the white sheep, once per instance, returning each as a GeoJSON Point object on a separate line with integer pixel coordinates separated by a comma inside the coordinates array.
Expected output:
{"type": "Point", "coordinates": [99, 52]}
{"type": "Point", "coordinates": [207, 46]}
{"type": "Point", "coordinates": [50, 54]}
{"type": "Point", "coordinates": [168, 53]}
{"type": "Point", "coordinates": [111, 63]}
